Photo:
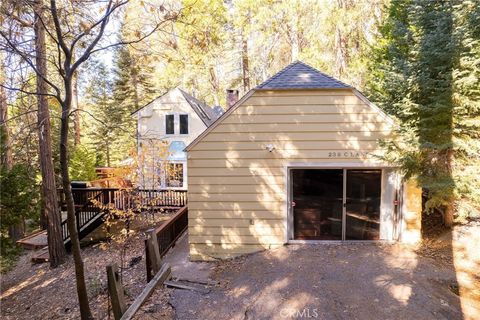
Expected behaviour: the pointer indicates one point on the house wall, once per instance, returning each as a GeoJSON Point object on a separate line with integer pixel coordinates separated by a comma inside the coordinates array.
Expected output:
{"type": "Point", "coordinates": [238, 190]}
{"type": "Point", "coordinates": [151, 133]}
{"type": "Point", "coordinates": [151, 119]}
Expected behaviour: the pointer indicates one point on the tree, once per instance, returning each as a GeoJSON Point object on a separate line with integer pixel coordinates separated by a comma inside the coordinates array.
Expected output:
{"type": "Point", "coordinates": [82, 164]}
{"type": "Point", "coordinates": [51, 211]}
{"type": "Point", "coordinates": [107, 116]}
{"type": "Point", "coordinates": [75, 43]}
{"type": "Point", "coordinates": [132, 88]}
{"type": "Point", "coordinates": [434, 95]}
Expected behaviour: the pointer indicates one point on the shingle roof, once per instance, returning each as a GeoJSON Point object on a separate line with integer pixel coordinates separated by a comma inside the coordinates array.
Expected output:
{"type": "Point", "coordinates": [299, 75]}
{"type": "Point", "coordinates": [205, 113]}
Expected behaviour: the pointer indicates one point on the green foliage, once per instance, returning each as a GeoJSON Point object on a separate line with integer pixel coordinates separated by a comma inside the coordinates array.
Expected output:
{"type": "Point", "coordinates": [19, 201]}
{"type": "Point", "coordinates": [8, 253]}
{"type": "Point", "coordinates": [19, 196]}
{"type": "Point", "coordinates": [82, 164]}
{"type": "Point", "coordinates": [426, 73]}
{"type": "Point", "coordinates": [132, 86]}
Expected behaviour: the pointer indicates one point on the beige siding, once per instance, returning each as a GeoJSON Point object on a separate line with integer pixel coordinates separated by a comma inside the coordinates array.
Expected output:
{"type": "Point", "coordinates": [237, 189]}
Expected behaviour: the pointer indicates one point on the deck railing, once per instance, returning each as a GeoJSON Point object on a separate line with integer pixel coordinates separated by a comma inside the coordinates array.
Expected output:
{"type": "Point", "coordinates": [167, 234]}
{"type": "Point", "coordinates": [91, 204]}
{"type": "Point", "coordinates": [123, 199]}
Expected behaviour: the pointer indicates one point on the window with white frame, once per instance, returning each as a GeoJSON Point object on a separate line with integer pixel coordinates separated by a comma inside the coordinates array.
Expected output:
{"type": "Point", "coordinates": [174, 175]}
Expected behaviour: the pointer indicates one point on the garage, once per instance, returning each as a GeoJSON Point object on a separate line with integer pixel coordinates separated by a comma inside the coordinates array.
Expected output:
{"type": "Point", "coordinates": [298, 159]}
{"type": "Point", "coordinates": [337, 204]}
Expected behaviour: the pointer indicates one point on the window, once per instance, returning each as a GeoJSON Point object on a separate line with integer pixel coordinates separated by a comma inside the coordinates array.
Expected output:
{"type": "Point", "coordinates": [174, 175]}
{"type": "Point", "coordinates": [169, 124]}
{"type": "Point", "coordinates": [184, 124]}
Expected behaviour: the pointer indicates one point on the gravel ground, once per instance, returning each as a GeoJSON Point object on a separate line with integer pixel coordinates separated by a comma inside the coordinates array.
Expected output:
{"type": "Point", "coordinates": [355, 281]}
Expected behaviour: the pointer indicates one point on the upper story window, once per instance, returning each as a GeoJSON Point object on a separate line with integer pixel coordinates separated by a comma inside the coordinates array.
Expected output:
{"type": "Point", "coordinates": [169, 124]}
{"type": "Point", "coordinates": [184, 124]}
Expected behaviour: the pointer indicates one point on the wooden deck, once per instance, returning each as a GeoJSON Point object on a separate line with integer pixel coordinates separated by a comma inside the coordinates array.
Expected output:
{"type": "Point", "coordinates": [36, 240]}
{"type": "Point", "coordinates": [92, 204]}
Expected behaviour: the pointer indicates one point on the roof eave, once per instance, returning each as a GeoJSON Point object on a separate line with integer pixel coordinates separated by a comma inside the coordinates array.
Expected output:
{"type": "Point", "coordinates": [219, 119]}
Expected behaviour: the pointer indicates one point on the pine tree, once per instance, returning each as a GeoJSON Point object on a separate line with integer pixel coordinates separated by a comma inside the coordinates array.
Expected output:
{"type": "Point", "coordinates": [132, 88]}
{"type": "Point", "coordinates": [107, 118]}
{"type": "Point", "coordinates": [425, 73]}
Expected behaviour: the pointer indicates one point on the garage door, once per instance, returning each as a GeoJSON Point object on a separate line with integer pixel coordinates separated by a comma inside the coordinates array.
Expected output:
{"type": "Point", "coordinates": [336, 204]}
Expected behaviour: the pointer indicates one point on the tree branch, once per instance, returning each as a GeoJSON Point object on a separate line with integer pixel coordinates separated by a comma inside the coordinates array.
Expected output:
{"type": "Point", "coordinates": [31, 64]}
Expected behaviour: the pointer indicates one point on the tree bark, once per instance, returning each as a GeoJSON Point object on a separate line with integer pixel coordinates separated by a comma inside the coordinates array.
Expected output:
{"type": "Point", "coordinates": [85, 312]}
{"type": "Point", "coordinates": [6, 157]}
{"type": "Point", "coordinates": [448, 214]}
{"type": "Point", "coordinates": [51, 209]}
{"type": "Point", "coordinates": [245, 66]}
{"type": "Point", "coordinates": [340, 44]}
{"type": "Point", "coordinates": [76, 107]}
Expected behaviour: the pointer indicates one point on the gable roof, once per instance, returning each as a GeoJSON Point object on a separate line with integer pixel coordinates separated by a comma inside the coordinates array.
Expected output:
{"type": "Point", "coordinates": [299, 75]}
{"type": "Point", "coordinates": [206, 113]}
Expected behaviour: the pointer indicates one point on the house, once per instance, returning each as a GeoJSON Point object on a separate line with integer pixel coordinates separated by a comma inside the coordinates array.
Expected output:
{"type": "Point", "coordinates": [296, 160]}
{"type": "Point", "coordinates": [165, 126]}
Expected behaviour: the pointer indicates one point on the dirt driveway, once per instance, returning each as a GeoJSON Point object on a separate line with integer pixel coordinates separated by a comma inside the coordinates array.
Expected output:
{"type": "Point", "coordinates": [355, 281]}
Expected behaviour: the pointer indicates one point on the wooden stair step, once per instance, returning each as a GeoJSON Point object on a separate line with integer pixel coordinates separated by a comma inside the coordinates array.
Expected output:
{"type": "Point", "coordinates": [41, 256]}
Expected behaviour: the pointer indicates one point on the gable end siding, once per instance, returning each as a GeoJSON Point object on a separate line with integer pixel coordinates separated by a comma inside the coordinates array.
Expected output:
{"type": "Point", "coordinates": [237, 188]}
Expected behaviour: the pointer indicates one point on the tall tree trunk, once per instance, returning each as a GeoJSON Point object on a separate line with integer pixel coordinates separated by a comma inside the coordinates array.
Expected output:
{"type": "Point", "coordinates": [448, 214]}
{"type": "Point", "coordinates": [85, 312]}
{"type": "Point", "coordinates": [294, 37]}
{"type": "Point", "coordinates": [340, 43]}
{"type": "Point", "coordinates": [215, 85]}
{"type": "Point", "coordinates": [51, 210]}
{"type": "Point", "coordinates": [107, 147]}
{"type": "Point", "coordinates": [6, 157]}
{"type": "Point", "coordinates": [245, 66]}
{"type": "Point", "coordinates": [76, 107]}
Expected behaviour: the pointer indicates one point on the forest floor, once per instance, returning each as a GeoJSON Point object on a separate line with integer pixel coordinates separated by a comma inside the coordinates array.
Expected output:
{"type": "Point", "coordinates": [437, 280]}
{"type": "Point", "coordinates": [354, 281]}
{"type": "Point", "coordinates": [34, 291]}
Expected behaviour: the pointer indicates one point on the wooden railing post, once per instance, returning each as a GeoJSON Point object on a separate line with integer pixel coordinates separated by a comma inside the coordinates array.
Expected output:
{"type": "Point", "coordinates": [153, 252]}
{"type": "Point", "coordinates": [115, 290]}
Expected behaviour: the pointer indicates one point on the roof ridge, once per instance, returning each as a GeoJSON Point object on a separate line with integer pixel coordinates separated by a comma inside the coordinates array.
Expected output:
{"type": "Point", "coordinates": [279, 73]}
{"type": "Point", "coordinates": [324, 74]}
{"type": "Point", "coordinates": [289, 78]}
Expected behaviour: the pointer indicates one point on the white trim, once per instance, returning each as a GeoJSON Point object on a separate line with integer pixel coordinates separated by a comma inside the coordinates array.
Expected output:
{"type": "Point", "coordinates": [339, 165]}
{"type": "Point", "coordinates": [219, 120]}
{"type": "Point", "coordinates": [287, 204]}
{"type": "Point", "coordinates": [385, 116]}
{"type": "Point", "coordinates": [288, 221]}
